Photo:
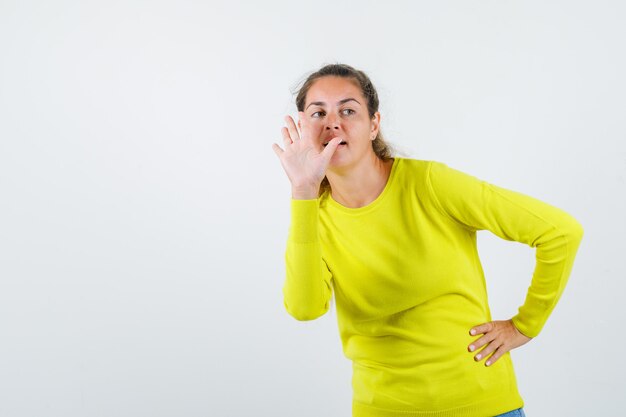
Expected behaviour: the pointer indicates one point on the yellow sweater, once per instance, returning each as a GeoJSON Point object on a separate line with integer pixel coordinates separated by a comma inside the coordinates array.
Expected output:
{"type": "Point", "coordinates": [409, 285]}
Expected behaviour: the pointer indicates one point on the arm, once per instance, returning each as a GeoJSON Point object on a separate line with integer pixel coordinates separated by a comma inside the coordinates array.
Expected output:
{"type": "Point", "coordinates": [307, 288]}
{"type": "Point", "coordinates": [478, 205]}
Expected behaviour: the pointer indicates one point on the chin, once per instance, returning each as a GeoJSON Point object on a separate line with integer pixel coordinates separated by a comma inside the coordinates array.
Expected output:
{"type": "Point", "coordinates": [340, 160]}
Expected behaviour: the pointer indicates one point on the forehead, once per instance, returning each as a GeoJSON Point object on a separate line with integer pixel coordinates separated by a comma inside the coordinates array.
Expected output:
{"type": "Point", "coordinates": [332, 89]}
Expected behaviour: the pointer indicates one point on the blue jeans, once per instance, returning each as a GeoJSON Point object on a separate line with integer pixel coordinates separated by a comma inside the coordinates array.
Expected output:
{"type": "Point", "coordinates": [514, 413]}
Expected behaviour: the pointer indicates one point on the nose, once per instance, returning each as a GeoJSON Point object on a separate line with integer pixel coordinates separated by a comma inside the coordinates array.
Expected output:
{"type": "Point", "coordinates": [332, 123]}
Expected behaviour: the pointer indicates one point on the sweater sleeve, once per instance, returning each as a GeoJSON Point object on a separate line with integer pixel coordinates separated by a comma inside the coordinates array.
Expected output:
{"type": "Point", "coordinates": [478, 205]}
{"type": "Point", "coordinates": [307, 288]}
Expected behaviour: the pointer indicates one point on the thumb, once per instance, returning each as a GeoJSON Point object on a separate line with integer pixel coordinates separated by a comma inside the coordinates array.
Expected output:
{"type": "Point", "coordinates": [277, 149]}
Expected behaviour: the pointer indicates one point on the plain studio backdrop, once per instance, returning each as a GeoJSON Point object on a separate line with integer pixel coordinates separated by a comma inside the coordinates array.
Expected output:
{"type": "Point", "coordinates": [144, 214]}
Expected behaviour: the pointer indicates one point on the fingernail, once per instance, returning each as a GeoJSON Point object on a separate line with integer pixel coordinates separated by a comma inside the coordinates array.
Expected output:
{"type": "Point", "coordinates": [472, 348]}
{"type": "Point", "coordinates": [488, 363]}
{"type": "Point", "coordinates": [472, 332]}
{"type": "Point", "coordinates": [478, 357]}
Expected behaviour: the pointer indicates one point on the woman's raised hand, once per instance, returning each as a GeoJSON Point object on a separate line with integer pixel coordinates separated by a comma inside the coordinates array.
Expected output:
{"type": "Point", "coordinates": [304, 160]}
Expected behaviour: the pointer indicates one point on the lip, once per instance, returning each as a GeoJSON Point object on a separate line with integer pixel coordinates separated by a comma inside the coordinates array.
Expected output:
{"type": "Point", "coordinates": [325, 142]}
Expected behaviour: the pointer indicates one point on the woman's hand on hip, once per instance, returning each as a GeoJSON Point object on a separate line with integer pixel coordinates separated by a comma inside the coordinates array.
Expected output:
{"type": "Point", "coordinates": [499, 336]}
{"type": "Point", "coordinates": [304, 159]}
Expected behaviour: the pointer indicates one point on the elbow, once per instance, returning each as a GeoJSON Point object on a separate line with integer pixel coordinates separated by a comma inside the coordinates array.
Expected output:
{"type": "Point", "coordinates": [569, 227]}
{"type": "Point", "coordinates": [576, 231]}
{"type": "Point", "coordinates": [304, 313]}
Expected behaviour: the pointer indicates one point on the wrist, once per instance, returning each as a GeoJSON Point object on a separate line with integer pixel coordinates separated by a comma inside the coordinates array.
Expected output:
{"type": "Point", "coordinates": [304, 193]}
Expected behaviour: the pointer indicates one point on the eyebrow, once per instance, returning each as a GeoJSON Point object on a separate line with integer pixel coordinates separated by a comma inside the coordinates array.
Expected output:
{"type": "Point", "coordinates": [321, 103]}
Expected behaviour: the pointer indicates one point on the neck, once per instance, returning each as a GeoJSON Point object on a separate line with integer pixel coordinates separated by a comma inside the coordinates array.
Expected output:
{"type": "Point", "coordinates": [359, 185]}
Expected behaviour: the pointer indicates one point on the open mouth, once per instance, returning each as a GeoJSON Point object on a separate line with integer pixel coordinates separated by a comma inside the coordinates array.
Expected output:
{"type": "Point", "coordinates": [343, 142]}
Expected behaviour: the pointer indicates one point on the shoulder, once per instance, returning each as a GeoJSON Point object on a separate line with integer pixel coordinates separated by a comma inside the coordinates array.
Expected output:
{"type": "Point", "coordinates": [419, 164]}
{"type": "Point", "coordinates": [411, 164]}
{"type": "Point", "coordinates": [433, 177]}
{"type": "Point", "coordinates": [440, 174]}
{"type": "Point", "coordinates": [411, 169]}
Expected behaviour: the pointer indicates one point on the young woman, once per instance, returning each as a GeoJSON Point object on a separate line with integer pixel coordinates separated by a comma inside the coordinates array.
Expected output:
{"type": "Point", "coordinates": [395, 240]}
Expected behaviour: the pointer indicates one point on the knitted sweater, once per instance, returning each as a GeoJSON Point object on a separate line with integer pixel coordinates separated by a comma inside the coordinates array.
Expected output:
{"type": "Point", "coordinates": [409, 285]}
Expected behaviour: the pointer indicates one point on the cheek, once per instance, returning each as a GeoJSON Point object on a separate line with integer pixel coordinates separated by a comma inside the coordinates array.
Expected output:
{"type": "Point", "coordinates": [358, 130]}
{"type": "Point", "coordinates": [316, 126]}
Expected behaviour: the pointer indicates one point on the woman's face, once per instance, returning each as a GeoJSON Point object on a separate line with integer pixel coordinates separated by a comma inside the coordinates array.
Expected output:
{"type": "Point", "coordinates": [335, 107]}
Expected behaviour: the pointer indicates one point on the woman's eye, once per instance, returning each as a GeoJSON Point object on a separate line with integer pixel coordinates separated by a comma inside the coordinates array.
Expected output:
{"type": "Point", "coordinates": [347, 112]}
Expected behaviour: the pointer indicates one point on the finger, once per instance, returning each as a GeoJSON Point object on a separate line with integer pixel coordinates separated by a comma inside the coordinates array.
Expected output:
{"type": "Point", "coordinates": [277, 149]}
{"type": "Point", "coordinates": [486, 351]}
{"type": "Point", "coordinates": [482, 328]}
{"type": "Point", "coordinates": [499, 352]}
{"type": "Point", "coordinates": [304, 126]}
{"type": "Point", "coordinates": [483, 340]}
{"type": "Point", "coordinates": [330, 149]}
{"type": "Point", "coordinates": [291, 127]}
{"type": "Point", "coordinates": [286, 138]}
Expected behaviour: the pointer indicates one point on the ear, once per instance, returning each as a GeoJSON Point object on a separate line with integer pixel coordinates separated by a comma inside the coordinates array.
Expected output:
{"type": "Point", "coordinates": [374, 125]}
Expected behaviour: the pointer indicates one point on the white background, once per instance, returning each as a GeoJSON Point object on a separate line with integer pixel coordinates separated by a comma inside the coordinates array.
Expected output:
{"type": "Point", "coordinates": [144, 214]}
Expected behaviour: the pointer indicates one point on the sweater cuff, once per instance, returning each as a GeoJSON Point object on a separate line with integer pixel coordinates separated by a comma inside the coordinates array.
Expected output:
{"type": "Point", "coordinates": [523, 327]}
{"type": "Point", "coordinates": [304, 221]}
